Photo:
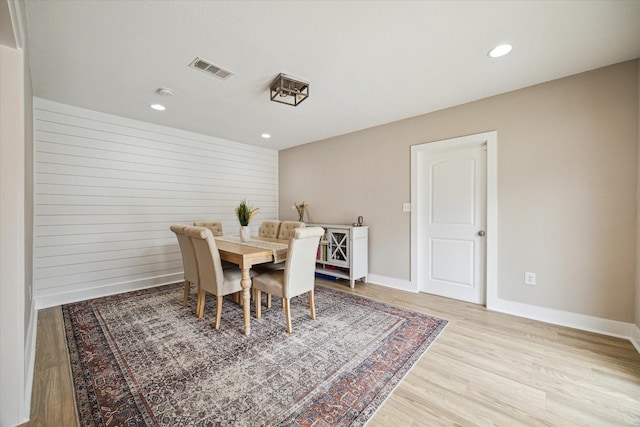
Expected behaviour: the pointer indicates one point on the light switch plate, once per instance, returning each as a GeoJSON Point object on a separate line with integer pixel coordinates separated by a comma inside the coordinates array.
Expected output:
{"type": "Point", "coordinates": [406, 207]}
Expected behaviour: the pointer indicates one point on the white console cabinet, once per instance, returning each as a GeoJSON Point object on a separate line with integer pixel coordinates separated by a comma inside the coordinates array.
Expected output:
{"type": "Point", "coordinates": [343, 252]}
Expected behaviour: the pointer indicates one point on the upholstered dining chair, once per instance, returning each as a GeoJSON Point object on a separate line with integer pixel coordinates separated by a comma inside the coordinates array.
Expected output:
{"type": "Point", "coordinates": [214, 226]}
{"type": "Point", "coordinates": [189, 262]}
{"type": "Point", "coordinates": [287, 227]}
{"type": "Point", "coordinates": [216, 230]}
{"type": "Point", "coordinates": [298, 276]}
{"type": "Point", "coordinates": [269, 228]}
{"type": "Point", "coordinates": [212, 277]}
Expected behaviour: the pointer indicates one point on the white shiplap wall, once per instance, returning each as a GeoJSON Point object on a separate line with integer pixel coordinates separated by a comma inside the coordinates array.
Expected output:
{"type": "Point", "coordinates": [108, 188]}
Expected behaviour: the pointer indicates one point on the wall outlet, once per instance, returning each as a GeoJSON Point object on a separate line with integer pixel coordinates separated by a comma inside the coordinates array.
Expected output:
{"type": "Point", "coordinates": [406, 207]}
{"type": "Point", "coordinates": [529, 278]}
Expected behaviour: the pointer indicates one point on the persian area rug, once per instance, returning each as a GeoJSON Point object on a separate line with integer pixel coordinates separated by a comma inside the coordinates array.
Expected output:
{"type": "Point", "coordinates": [141, 359]}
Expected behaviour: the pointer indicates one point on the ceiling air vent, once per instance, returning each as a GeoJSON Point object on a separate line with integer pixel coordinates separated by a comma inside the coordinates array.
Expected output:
{"type": "Point", "coordinates": [209, 68]}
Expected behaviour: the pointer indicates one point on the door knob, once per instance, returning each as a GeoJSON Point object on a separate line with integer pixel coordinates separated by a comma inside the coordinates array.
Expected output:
{"type": "Point", "coordinates": [481, 233]}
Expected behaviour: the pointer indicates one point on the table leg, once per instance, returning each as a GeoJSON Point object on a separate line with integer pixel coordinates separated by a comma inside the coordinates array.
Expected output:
{"type": "Point", "coordinates": [246, 299]}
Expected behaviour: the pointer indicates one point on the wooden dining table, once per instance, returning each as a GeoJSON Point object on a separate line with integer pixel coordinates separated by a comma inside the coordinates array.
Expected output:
{"type": "Point", "coordinates": [245, 256]}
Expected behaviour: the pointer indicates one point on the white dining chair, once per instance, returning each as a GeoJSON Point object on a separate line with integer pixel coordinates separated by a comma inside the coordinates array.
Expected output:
{"type": "Point", "coordinates": [189, 262]}
{"type": "Point", "coordinates": [212, 277]}
{"type": "Point", "coordinates": [298, 276]}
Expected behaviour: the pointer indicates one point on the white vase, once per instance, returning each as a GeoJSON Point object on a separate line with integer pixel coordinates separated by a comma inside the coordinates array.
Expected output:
{"type": "Point", "coordinates": [245, 233]}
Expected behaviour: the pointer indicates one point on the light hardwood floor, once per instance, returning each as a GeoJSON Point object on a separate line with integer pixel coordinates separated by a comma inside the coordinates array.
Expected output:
{"type": "Point", "coordinates": [485, 369]}
{"type": "Point", "coordinates": [52, 401]}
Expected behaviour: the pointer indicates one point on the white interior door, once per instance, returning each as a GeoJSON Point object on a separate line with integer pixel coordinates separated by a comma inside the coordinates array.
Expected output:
{"type": "Point", "coordinates": [451, 191]}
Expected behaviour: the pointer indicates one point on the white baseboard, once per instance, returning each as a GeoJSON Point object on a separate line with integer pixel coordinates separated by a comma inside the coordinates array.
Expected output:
{"type": "Point", "coordinates": [564, 318]}
{"type": "Point", "coordinates": [391, 282]}
{"type": "Point", "coordinates": [583, 322]}
{"type": "Point", "coordinates": [45, 301]}
{"type": "Point", "coordinates": [557, 317]}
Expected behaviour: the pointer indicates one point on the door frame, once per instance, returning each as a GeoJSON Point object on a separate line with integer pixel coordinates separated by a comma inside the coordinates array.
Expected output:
{"type": "Point", "coordinates": [491, 254]}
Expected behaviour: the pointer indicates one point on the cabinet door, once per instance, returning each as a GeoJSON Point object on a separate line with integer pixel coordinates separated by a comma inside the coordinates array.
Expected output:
{"type": "Point", "coordinates": [338, 247]}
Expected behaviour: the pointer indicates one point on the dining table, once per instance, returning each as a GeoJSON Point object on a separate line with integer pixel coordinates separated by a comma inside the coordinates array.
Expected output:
{"type": "Point", "coordinates": [258, 250]}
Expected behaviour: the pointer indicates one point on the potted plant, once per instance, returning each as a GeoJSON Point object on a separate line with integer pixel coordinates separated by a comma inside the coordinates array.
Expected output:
{"type": "Point", "coordinates": [301, 208]}
{"type": "Point", "coordinates": [245, 213]}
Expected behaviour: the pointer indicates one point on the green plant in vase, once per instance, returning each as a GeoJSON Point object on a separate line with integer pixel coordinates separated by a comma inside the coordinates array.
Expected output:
{"type": "Point", "coordinates": [245, 213]}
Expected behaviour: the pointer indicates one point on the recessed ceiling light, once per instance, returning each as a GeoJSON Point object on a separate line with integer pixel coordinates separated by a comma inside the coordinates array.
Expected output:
{"type": "Point", "coordinates": [266, 135]}
{"type": "Point", "coordinates": [501, 50]}
{"type": "Point", "coordinates": [158, 107]}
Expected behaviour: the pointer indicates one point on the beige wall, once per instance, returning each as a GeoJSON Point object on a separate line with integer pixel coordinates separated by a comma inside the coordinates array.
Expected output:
{"type": "Point", "coordinates": [567, 164]}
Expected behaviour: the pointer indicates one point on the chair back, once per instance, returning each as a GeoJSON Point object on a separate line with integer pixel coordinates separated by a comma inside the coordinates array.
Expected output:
{"type": "Point", "coordinates": [287, 227]}
{"type": "Point", "coordinates": [214, 226]}
{"type": "Point", "coordinates": [210, 271]}
{"type": "Point", "coordinates": [189, 262]}
{"type": "Point", "coordinates": [300, 266]}
{"type": "Point", "coordinates": [269, 229]}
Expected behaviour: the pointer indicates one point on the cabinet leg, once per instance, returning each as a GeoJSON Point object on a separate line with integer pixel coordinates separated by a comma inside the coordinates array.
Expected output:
{"type": "Point", "coordinates": [353, 283]}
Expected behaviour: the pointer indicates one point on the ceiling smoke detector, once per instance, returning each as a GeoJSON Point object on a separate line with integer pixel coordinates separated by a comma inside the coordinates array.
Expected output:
{"type": "Point", "coordinates": [211, 69]}
{"type": "Point", "coordinates": [164, 91]}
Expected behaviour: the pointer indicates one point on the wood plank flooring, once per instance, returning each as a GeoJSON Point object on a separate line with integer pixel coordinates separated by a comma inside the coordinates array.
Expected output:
{"type": "Point", "coordinates": [485, 369]}
{"type": "Point", "coordinates": [52, 401]}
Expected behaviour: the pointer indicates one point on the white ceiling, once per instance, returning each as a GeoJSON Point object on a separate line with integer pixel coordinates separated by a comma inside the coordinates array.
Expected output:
{"type": "Point", "coordinates": [368, 63]}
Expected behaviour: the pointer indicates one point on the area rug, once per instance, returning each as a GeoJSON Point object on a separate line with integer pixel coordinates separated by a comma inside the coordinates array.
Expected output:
{"type": "Point", "coordinates": [141, 359]}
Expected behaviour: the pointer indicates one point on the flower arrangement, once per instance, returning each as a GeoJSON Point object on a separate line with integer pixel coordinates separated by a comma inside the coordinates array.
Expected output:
{"type": "Point", "coordinates": [301, 208]}
{"type": "Point", "coordinates": [245, 213]}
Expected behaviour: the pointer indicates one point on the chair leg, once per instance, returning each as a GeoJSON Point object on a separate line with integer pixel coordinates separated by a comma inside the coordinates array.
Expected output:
{"type": "Point", "coordinates": [200, 304]}
{"type": "Point", "coordinates": [287, 313]}
{"type": "Point", "coordinates": [258, 298]}
{"type": "Point", "coordinates": [218, 311]}
{"type": "Point", "coordinates": [187, 289]}
{"type": "Point", "coordinates": [312, 305]}
{"type": "Point", "coordinates": [197, 298]}
{"type": "Point", "coordinates": [282, 303]}
{"type": "Point", "coordinates": [268, 300]}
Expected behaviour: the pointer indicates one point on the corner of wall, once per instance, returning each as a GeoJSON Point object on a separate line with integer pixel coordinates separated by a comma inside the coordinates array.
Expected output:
{"type": "Point", "coordinates": [637, 287]}
{"type": "Point", "coordinates": [635, 337]}
{"type": "Point", "coordinates": [13, 407]}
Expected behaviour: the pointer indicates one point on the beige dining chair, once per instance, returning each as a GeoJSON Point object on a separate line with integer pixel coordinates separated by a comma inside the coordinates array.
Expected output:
{"type": "Point", "coordinates": [214, 226]}
{"type": "Point", "coordinates": [212, 277]}
{"type": "Point", "coordinates": [269, 228]}
{"type": "Point", "coordinates": [298, 275]}
{"type": "Point", "coordinates": [287, 227]}
{"type": "Point", "coordinates": [216, 230]}
{"type": "Point", "coordinates": [189, 262]}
